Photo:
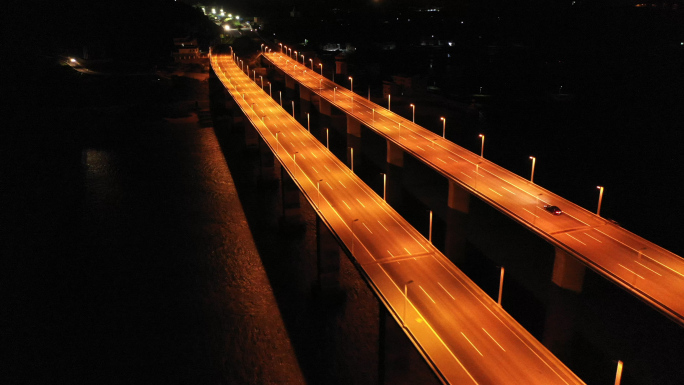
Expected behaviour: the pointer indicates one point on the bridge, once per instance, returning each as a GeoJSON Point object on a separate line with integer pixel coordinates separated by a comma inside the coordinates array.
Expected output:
{"type": "Point", "coordinates": [464, 335]}
{"type": "Point", "coordinates": [581, 238]}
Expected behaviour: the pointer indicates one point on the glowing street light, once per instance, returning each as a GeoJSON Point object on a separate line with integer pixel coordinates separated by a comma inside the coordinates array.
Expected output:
{"type": "Point", "coordinates": [311, 60]}
{"type": "Point", "coordinates": [262, 48]}
{"type": "Point", "coordinates": [308, 122]}
{"type": "Point", "coordinates": [482, 148]}
{"type": "Point", "coordinates": [413, 106]}
{"type": "Point", "coordinates": [335, 94]}
{"type": "Point", "coordinates": [598, 210]}
{"type": "Point", "coordinates": [262, 82]}
{"type": "Point", "coordinates": [327, 139]}
{"type": "Point", "coordinates": [389, 102]}
{"type": "Point", "coordinates": [430, 231]}
{"type": "Point", "coordinates": [281, 47]}
{"type": "Point", "coordinates": [403, 319]}
{"type": "Point", "coordinates": [384, 186]}
{"type": "Point", "coordinates": [618, 373]}
{"type": "Point", "coordinates": [443, 119]}
{"type": "Point", "coordinates": [352, 84]}
{"type": "Point", "coordinates": [534, 161]}
{"type": "Point", "coordinates": [269, 90]}
{"type": "Point", "coordinates": [501, 285]}
{"type": "Point", "coordinates": [293, 113]}
{"type": "Point", "coordinates": [281, 97]}
{"type": "Point", "coordinates": [321, 65]}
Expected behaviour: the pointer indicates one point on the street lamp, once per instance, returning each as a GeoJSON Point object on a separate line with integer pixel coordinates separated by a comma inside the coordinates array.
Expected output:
{"type": "Point", "coordinates": [302, 58]}
{"type": "Point", "coordinates": [293, 113]}
{"type": "Point", "coordinates": [352, 158]}
{"type": "Point", "coordinates": [618, 373]}
{"type": "Point", "coordinates": [598, 210]}
{"type": "Point", "coordinates": [353, 236]}
{"type": "Point", "coordinates": [281, 47]}
{"type": "Point", "coordinates": [384, 186]}
{"type": "Point", "coordinates": [335, 94]}
{"type": "Point", "coordinates": [311, 60]}
{"type": "Point", "coordinates": [482, 148]}
{"type": "Point", "coordinates": [262, 81]}
{"type": "Point", "coordinates": [321, 65]}
{"type": "Point", "coordinates": [352, 84]}
{"type": "Point", "coordinates": [501, 284]}
{"type": "Point", "coordinates": [318, 187]}
{"type": "Point", "coordinates": [327, 139]}
{"type": "Point", "coordinates": [269, 90]}
{"type": "Point", "coordinates": [308, 122]}
{"type": "Point", "coordinates": [262, 48]}
{"type": "Point", "coordinates": [534, 161]}
{"type": "Point", "coordinates": [281, 98]}
{"type": "Point", "coordinates": [443, 127]}
{"type": "Point", "coordinates": [403, 319]}
{"type": "Point", "coordinates": [413, 106]}
{"type": "Point", "coordinates": [430, 231]}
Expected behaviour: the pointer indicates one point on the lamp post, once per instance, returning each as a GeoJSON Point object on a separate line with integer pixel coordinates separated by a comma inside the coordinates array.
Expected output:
{"type": "Point", "coordinates": [430, 231]}
{"type": "Point", "coordinates": [413, 106]}
{"type": "Point", "coordinates": [534, 161]}
{"type": "Point", "coordinates": [295, 56]}
{"type": "Point", "coordinates": [281, 47]}
{"type": "Point", "coordinates": [335, 94]}
{"type": "Point", "coordinates": [403, 319]}
{"type": "Point", "coordinates": [302, 58]}
{"type": "Point", "coordinates": [443, 119]}
{"type": "Point", "coordinates": [352, 158]}
{"type": "Point", "coordinates": [389, 100]}
{"type": "Point", "coordinates": [482, 147]}
{"type": "Point", "coordinates": [618, 373]}
{"type": "Point", "coordinates": [598, 210]}
{"type": "Point", "coordinates": [308, 122]}
{"type": "Point", "coordinates": [384, 186]}
{"type": "Point", "coordinates": [293, 113]}
{"type": "Point", "coordinates": [262, 81]}
{"type": "Point", "coordinates": [321, 65]}
{"type": "Point", "coordinates": [281, 98]}
{"type": "Point", "coordinates": [352, 84]}
{"type": "Point", "coordinates": [318, 187]}
{"type": "Point", "coordinates": [262, 48]}
{"type": "Point", "coordinates": [311, 61]}
{"type": "Point", "coordinates": [353, 236]}
{"type": "Point", "coordinates": [501, 285]}
{"type": "Point", "coordinates": [270, 93]}
{"type": "Point", "coordinates": [327, 139]}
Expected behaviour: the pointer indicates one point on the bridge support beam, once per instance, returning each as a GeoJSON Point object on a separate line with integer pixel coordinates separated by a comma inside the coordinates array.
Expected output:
{"type": "Point", "coordinates": [353, 141]}
{"type": "Point", "coordinates": [251, 135]}
{"type": "Point", "coordinates": [458, 206]}
{"type": "Point", "coordinates": [289, 82]}
{"type": "Point", "coordinates": [328, 251]}
{"type": "Point", "coordinates": [568, 272]}
{"type": "Point", "coordinates": [292, 215]}
{"type": "Point", "coordinates": [399, 362]}
{"type": "Point", "coordinates": [395, 173]}
{"type": "Point", "coordinates": [268, 170]}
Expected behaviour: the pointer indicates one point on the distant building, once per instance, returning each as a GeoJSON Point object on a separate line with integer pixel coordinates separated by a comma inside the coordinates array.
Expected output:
{"type": "Point", "coordinates": [185, 50]}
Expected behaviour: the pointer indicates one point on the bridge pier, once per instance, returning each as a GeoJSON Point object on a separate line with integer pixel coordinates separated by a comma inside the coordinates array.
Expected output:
{"type": "Point", "coordinates": [328, 258]}
{"type": "Point", "coordinates": [398, 360]}
{"type": "Point", "coordinates": [268, 172]}
{"type": "Point", "coordinates": [304, 103]}
{"type": "Point", "coordinates": [395, 172]}
{"type": "Point", "coordinates": [292, 216]}
{"type": "Point", "coordinates": [353, 141]}
{"type": "Point", "coordinates": [568, 271]}
{"type": "Point", "coordinates": [251, 135]}
{"type": "Point", "coordinates": [458, 207]}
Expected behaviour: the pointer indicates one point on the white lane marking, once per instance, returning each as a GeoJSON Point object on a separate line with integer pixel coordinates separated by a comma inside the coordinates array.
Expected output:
{"type": "Point", "coordinates": [530, 212]}
{"type": "Point", "coordinates": [576, 239]}
{"type": "Point", "coordinates": [646, 256]}
{"type": "Point", "coordinates": [447, 291]}
{"type": "Point", "coordinates": [409, 253]}
{"type": "Point", "coordinates": [390, 253]}
{"type": "Point", "coordinates": [364, 206]}
{"type": "Point", "coordinates": [329, 185]}
{"type": "Point", "coordinates": [441, 160]}
{"type": "Point", "coordinates": [314, 155]}
{"type": "Point", "coordinates": [453, 159]}
{"type": "Point", "coordinates": [495, 192]}
{"type": "Point", "coordinates": [630, 271]}
{"type": "Point", "coordinates": [303, 157]}
{"type": "Point", "coordinates": [466, 175]}
{"type": "Point", "coordinates": [490, 336]}
{"type": "Point", "coordinates": [314, 168]}
{"type": "Point", "coordinates": [345, 203]}
{"type": "Point", "coordinates": [342, 183]}
{"type": "Point", "coordinates": [508, 190]}
{"type": "Point", "coordinates": [383, 226]}
{"type": "Point", "coordinates": [369, 230]}
{"type": "Point", "coordinates": [471, 344]}
{"type": "Point", "coordinates": [421, 148]}
{"type": "Point", "coordinates": [413, 137]}
{"type": "Point", "coordinates": [326, 167]}
{"type": "Point", "coordinates": [647, 268]}
{"type": "Point", "coordinates": [596, 239]}
{"type": "Point", "coordinates": [402, 137]}
{"type": "Point", "coordinates": [428, 295]}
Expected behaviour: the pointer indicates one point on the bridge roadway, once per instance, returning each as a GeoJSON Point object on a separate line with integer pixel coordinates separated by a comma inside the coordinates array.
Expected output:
{"type": "Point", "coordinates": [641, 267]}
{"type": "Point", "coordinates": [463, 334]}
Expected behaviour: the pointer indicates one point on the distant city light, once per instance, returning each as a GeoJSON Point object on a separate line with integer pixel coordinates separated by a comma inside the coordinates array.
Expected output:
{"type": "Point", "coordinates": [213, 11]}
{"type": "Point", "coordinates": [226, 27]}
{"type": "Point", "coordinates": [73, 60]}
{"type": "Point", "coordinates": [237, 17]}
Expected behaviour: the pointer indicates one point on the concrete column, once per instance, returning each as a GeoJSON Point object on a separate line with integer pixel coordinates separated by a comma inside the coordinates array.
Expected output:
{"type": "Point", "coordinates": [353, 140]}
{"type": "Point", "coordinates": [289, 82]}
{"type": "Point", "coordinates": [268, 173]}
{"type": "Point", "coordinates": [251, 135]}
{"type": "Point", "coordinates": [458, 206]}
{"type": "Point", "coordinates": [328, 258]}
{"type": "Point", "coordinates": [304, 93]}
{"type": "Point", "coordinates": [568, 271]}
{"type": "Point", "coordinates": [291, 206]}
{"type": "Point", "coordinates": [325, 107]}
{"type": "Point", "coordinates": [395, 173]}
